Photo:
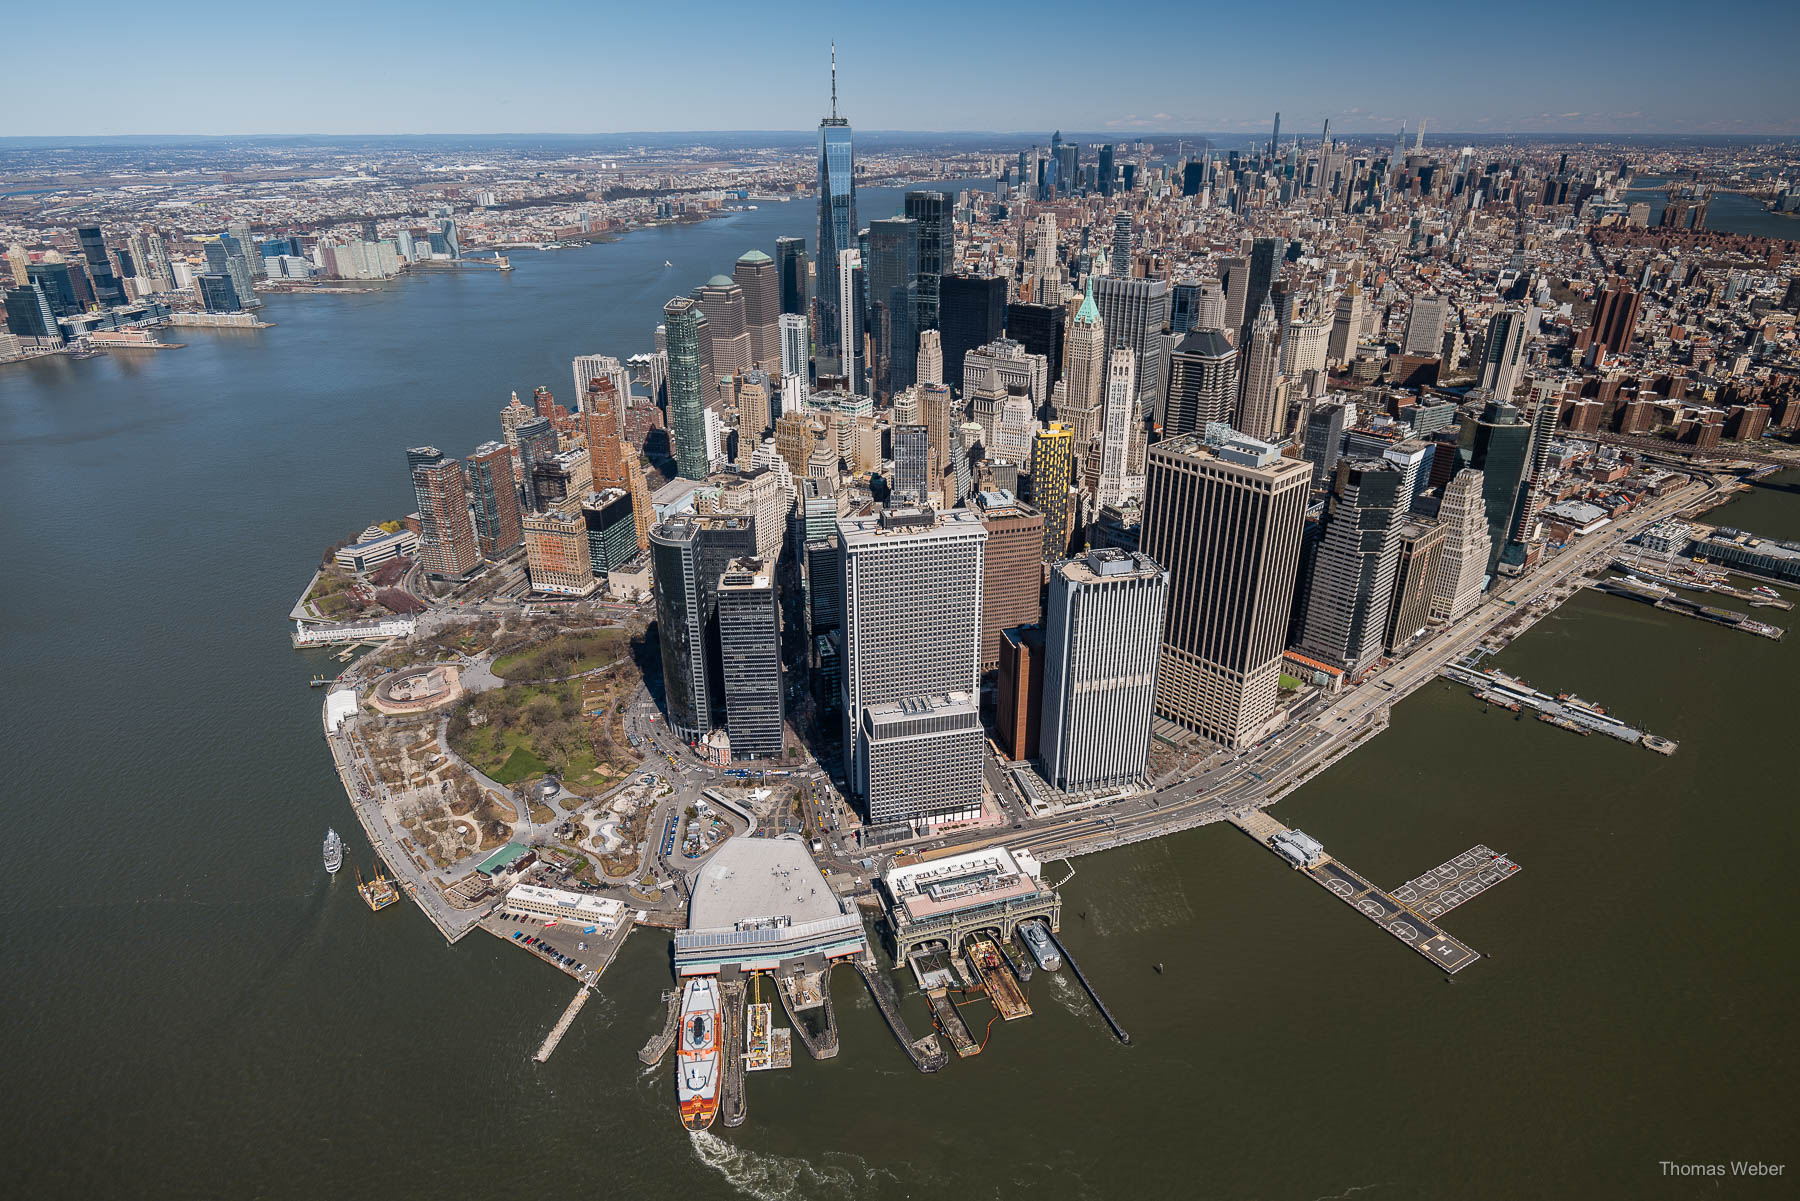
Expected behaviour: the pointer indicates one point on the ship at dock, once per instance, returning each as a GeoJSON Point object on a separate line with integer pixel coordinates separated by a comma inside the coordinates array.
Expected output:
{"type": "Point", "coordinates": [698, 1054]}
{"type": "Point", "coordinates": [334, 850]}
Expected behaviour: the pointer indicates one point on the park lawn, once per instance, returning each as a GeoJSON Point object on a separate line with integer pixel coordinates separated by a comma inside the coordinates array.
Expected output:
{"type": "Point", "coordinates": [586, 651]}
{"type": "Point", "coordinates": [1289, 683]}
{"type": "Point", "coordinates": [519, 765]}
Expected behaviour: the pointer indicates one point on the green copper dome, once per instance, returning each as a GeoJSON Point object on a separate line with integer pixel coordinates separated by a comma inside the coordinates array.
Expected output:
{"type": "Point", "coordinates": [1088, 313]}
{"type": "Point", "coordinates": [755, 256]}
{"type": "Point", "coordinates": [720, 281]}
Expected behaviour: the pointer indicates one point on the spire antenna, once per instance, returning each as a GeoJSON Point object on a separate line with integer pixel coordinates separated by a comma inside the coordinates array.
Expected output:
{"type": "Point", "coordinates": [834, 79]}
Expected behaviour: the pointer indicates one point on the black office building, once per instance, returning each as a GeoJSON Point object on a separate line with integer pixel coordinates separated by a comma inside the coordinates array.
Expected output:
{"type": "Point", "coordinates": [790, 268]}
{"type": "Point", "coordinates": [750, 659]}
{"type": "Point", "coordinates": [937, 249]}
{"type": "Point", "coordinates": [1106, 170]}
{"type": "Point", "coordinates": [971, 313]}
{"type": "Point", "coordinates": [893, 282]}
{"type": "Point", "coordinates": [107, 288]}
{"type": "Point", "coordinates": [1039, 328]}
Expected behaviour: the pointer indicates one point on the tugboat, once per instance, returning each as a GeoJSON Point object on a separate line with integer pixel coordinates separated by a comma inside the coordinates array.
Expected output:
{"type": "Point", "coordinates": [697, 1054]}
{"type": "Point", "coordinates": [334, 851]}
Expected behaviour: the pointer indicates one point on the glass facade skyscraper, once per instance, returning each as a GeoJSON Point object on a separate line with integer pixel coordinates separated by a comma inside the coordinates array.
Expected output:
{"type": "Point", "coordinates": [790, 267]}
{"type": "Point", "coordinates": [687, 386]}
{"type": "Point", "coordinates": [893, 302]}
{"type": "Point", "coordinates": [837, 224]}
{"type": "Point", "coordinates": [937, 249]}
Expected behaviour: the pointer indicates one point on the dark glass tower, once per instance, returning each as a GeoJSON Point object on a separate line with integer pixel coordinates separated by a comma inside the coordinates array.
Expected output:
{"type": "Point", "coordinates": [1039, 328]}
{"type": "Point", "coordinates": [971, 313]}
{"type": "Point", "coordinates": [790, 268]}
{"type": "Point", "coordinates": [684, 325]}
{"type": "Point", "coordinates": [1106, 170]}
{"type": "Point", "coordinates": [893, 301]}
{"type": "Point", "coordinates": [937, 249]}
{"type": "Point", "coordinates": [107, 289]}
{"type": "Point", "coordinates": [1498, 446]}
{"type": "Point", "coordinates": [837, 224]}
{"type": "Point", "coordinates": [1265, 253]}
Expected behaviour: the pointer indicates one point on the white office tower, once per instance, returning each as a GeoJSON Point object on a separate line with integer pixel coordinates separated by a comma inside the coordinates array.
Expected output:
{"type": "Point", "coordinates": [911, 586]}
{"type": "Point", "coordinates": [1048, 266]}
{"type": "Point", "coordinates": [1103, 637]}
{"type": "Point", "coordinates": [1503, 353]}
{"type": "Point", "coordinates": [1115, 436]}
{"type": "Point", "coordinates": [1209, 310]}
{"type": "Point", "coordinates": [930, 368]}
{"type": "Point", "coordinates": [1462, 564]}
{"type": "Point", "coordinates": [849, 328]}
{"type": "Point", "coordinates": [794, 346]}
{"type": "Point", "coordinates": [793, 395]}
{"type": "Point", "coordinates": [1261, 411]}
{"type": "Point", "coordinates": [1425, 326]}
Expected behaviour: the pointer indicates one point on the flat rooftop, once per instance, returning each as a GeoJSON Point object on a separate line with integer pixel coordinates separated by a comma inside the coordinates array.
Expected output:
{"type": "Point", "coordinates": [753, 879]}
{"type": "Point", "coordinates": [926, 890]}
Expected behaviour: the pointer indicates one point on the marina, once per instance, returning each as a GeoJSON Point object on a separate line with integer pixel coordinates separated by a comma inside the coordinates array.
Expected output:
{"type": "Point", "coordinates": [1663, 597]}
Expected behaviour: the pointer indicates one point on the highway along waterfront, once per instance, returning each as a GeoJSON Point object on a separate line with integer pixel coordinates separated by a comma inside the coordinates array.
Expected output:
{"type": "Point", "coordinates": [197, 1010]}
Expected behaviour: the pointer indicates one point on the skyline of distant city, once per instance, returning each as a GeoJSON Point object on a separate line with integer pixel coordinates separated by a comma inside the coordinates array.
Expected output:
{"type": "Point", "coordinates": [444, 70]}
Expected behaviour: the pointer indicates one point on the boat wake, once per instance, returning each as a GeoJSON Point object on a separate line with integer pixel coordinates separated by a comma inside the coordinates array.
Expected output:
{"type": "Point", "coordinates": [770, 1177]}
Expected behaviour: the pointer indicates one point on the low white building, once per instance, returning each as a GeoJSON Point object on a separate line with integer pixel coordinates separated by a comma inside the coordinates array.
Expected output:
{"type": "Point", "coordinates": [376, 546]}
{"type": "Point", "coordinates": [554, 903]}
{"type": "Point", "coordinates": [352, 631]}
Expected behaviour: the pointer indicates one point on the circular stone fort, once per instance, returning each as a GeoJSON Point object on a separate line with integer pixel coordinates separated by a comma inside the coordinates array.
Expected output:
{"type": "Point", "coordinates": [417, 689]}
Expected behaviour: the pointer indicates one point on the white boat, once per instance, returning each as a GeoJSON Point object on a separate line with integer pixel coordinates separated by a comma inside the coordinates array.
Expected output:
{"type": "Point", "coordinates": [697, 1055]}
{"type": "Point", "coordinates": [334, 850]}
{"type": "Point", "coordinates": [1037, 941]}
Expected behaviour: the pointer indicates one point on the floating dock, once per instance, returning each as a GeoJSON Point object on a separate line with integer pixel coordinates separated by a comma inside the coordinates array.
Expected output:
{"type": "Point", "coordinates": [562, 1026]}
{"type": "Point", "coordinates": [734, 1105]}
{"type": "Point", "coordinates": [766, 1045]}
{"type": "Point", "coordinates": [949, 1021]}
{"type": "Point", "coordinates": [807, 998]}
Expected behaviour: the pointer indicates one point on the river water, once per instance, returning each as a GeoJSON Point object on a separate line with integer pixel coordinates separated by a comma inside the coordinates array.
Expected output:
{"type": "Point", "coordinates": [197, 1011]}
{"type": "Point", "coordinates": [1732, 212]}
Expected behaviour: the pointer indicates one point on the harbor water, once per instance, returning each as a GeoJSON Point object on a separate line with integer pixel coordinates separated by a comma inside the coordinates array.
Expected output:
{"type": "Point", "coordinates": [198, 1011]}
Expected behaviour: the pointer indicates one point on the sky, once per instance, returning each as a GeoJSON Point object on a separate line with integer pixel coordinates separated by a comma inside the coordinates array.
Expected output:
{"type": "Point", "coordinates": [554, 66]}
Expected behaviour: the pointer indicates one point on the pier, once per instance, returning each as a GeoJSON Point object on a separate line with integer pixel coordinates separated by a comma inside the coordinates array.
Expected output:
{"type": "Point", "coordinates": [1564, 711]}
{"type": "Point", "coordinates": [806, 996]}
{"type": "Point", "coordinates": [659, 1043]}
{"type": "Point", "coordinates": [1081, 978]}
{"type": "Point", "coordinates": [994, 978]}
{"type": "Point", "coordinates": [1445, 886]}
{"type": "Point", "coordinates": [949, 1021]}
{"type": "Point", "coordinates": [734, 1105]}
{"type": "Point", "coordinates": [925, 1053]}
{"type": "Point", "coordinates": [562, 1026]}
{"type": "Point", "coordinates": [1664, 598]}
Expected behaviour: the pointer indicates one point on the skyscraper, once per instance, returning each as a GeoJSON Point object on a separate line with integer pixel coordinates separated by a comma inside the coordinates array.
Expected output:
{"type": "Point", "coordinates": [1202, 383]}
{"type": "Point", "coordinates": [1134, 312]}
{"type": "Point", "coordinates": [688, 555]}
{"type": "Point", "coordinates": [1352, 579]}
{"type": "Point", "coordinates": [1052, 478]}
{"type": "Point", "coordinates": [494, 499]}
{"type": "Point", "coordinates": [1039, 328]}
{"type": "Point", "coordinates": [1503, 353]}
{"type": "Point", "coordinates": [758, 278]}
{"type": "Point", "coordinates": [837, 225]}
{"type": "Point", "coordinates": [790, 265]}
{"type": "Point", "coordinates": [971, 313]}
{"type": "Point", "coordinates": [1011, 574]}
{"type": "Point", "coordinates": [1615, 316]}
{"type": "Point", "coordinates": [1425, 325]}
{"type": "Point", "coordinates": [936, 249]}
{"type": "Point", "coordinates": [107, 289]}
{"type": "Point", "coordinates": [894, 297]}
{"type": "Point", "coordinates": [1324, 438]}
{"type": "Point", "coordinates": [1421, 546]}
{"type": "Point", "coordinates": [447, 547]}
{"type": "Point", "coordinates": [1498, 445]}
{"type": "Point", "coordinates": [685, 325]}
{"type": "Point", "coordinates": [750, 659]}
{"type": "Point", "coordinates": [1223, 514]}
{"type": "Point", "coordinates": [722, 300]}
{"type": "Point", "coordinates": [1260, 414]}
{"type": "Point", "coordinates": [850, 353]}
{"type": "Point", "coordinates": [1265, 259]}
{"type": "Point", "coordinates": [795, 346]}
{"type": "Point", "coordinates": [930, 367]}
{"type": "Point", "coordinates": [1346, 326]}
{"type": "Point", "coordinates": [1084, 374]}
{"type": "Point", "coordinates": [1119, 263]}
{"type": "Point", "coordinates": [1102, 643]}
{"type": "Point", "coordinates": [912, 582]}
{"type": "Point", "coordinates": [1106, 170]}
{"type": "Point", "coordinates": [1116, 428]}
{"type": "Point", "coordinates": [1463, 561]}
{"type": "Point", "coordinates": [912, 463]}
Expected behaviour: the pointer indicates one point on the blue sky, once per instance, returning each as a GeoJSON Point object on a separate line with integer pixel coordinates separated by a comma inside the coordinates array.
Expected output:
{"type": "Point", "coordinates": [198, 66]}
